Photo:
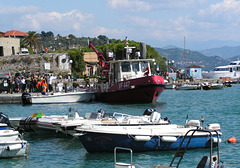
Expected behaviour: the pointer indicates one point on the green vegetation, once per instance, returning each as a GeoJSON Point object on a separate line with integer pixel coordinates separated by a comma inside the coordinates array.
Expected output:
{"type": "Point", "coordinates": [191, 58]}
{"type": "Point", "coordinates": [102, 43]}
{"type": "Point", "coordinates": [31, 41]}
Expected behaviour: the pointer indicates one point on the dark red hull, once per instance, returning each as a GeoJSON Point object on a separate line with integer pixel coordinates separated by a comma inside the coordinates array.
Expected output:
{"type": "Point", "coordinates": [140, 90]}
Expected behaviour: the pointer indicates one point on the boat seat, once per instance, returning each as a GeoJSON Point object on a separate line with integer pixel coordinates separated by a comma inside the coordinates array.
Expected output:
{"type": "Point", "coordinates": [204, 162]}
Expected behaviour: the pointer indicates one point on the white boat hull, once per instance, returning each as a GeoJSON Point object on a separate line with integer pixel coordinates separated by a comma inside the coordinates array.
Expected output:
{"type": "Point", "coordinates": [63, 98]}
{"type": "Point", "coordinates": [11, 145]}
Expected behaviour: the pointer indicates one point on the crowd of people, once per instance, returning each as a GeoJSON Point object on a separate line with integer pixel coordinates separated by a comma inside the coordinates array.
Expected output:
{"type": "Point", "coordinates": [33, 83]}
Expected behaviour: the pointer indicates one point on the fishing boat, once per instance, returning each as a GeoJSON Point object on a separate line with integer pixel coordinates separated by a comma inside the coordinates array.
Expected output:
{"type": "Point", "coordinates": [58, 97]}
{"type": "Point", "coordinates": [11, 142]}
{"type": "Point", "coordinates": [141, 138]}
{"type": "Point", "coordinates": [232, 71]}
{"type": "Point", "coordinates": [128, 80]}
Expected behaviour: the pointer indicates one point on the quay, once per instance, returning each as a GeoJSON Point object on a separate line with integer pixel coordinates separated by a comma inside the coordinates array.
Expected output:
{"type": "Point", "coordinates": [14, 98]}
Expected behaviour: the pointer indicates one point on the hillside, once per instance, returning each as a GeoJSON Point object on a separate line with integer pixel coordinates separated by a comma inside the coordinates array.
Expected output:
{"type": "Point", "coordinates": [223, 52]}
{"type": "Point", "coordinates": [192, 57]}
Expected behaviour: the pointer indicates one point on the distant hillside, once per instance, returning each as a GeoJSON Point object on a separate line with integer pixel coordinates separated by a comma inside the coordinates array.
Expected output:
{"type": "Point", "coordinates": [223, 52]}
{"type": "Point", "coordinates": [192, 57]}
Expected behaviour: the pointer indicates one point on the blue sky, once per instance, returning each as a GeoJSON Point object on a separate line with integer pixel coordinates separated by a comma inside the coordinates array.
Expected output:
{"type": "Point", "coordinates": [204, 23]}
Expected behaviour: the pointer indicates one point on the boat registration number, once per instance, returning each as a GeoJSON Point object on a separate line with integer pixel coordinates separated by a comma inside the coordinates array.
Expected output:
{"type": "Point", "coordinates": [124, 85]}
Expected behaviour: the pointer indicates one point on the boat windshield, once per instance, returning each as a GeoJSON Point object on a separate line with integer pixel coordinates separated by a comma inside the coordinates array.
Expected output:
{"type": "Point", "coordinates": [221, 69]}
{"type": "Point", "coordinates": [126, 67]}
{"type": "Point", "coordinates": [135, 66]}
{"type": "Point", "coordinates": [144, 66]}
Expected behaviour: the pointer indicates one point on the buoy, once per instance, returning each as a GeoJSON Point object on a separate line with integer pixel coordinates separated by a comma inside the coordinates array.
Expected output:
{"type": "Point", "coordinates": [232, 140]}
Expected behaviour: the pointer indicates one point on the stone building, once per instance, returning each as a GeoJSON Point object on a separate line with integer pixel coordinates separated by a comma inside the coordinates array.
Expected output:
{"type": "Point", "coordinates": [10, 42]}
{"type": "Point", "coordinates": [9, 46]}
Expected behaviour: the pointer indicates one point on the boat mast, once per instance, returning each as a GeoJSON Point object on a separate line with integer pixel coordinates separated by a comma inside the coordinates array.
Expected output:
{"type": "Point", "coordinates": [128, 49]}
{"type": "Point", "coordinates": [184, 58]}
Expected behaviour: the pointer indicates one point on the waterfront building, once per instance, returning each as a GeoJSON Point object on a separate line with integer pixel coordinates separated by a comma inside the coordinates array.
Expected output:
{"type": "Point", "coordinates": [194, 71]}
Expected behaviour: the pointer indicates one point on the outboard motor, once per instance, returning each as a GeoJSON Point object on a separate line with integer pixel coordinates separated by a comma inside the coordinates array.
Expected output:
{"type": "Point", "coordinates": [101, 113]}
{"type": "Point", "coordinates": [148, 112]}
{"type": "Point", "coordinates": [4, 119]}
{"type": "Point", "coordinates": [26, 98]}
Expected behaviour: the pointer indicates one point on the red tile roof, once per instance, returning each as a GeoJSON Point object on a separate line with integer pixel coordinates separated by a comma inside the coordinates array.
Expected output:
{"type": "Point", "coordinates": [194, 66]}
{"type": "Point", "coordinates": [15, 33]}
{"type": "Point", "coordinates": [1, 34]}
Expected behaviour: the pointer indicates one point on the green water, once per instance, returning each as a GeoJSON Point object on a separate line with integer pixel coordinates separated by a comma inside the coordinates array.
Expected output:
{"type": "Point", "coordinates": [217, 106]}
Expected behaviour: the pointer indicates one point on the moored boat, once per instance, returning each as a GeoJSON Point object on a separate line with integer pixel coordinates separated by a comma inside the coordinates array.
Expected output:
{"type": "Point", "coordinates": [187, 87]}
{"type": "Point", "coordinates": [98, 138]}
{"type": "Point", "coordinates": [11, 142]}
{"type": "Point", "coordinates": [232, 71]}
{"type": "Point", "coordinates": [59, 97]}
{"type": "Point", "coordinates": [149, 117]}
{"type": "Point", "coordinates": [129, 80]}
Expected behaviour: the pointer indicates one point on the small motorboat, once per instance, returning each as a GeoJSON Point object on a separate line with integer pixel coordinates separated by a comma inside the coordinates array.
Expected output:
{"type": "Point", "coordinates": [11, 142]}
{"type": "Point", "coordinates": [217, 86]}
{"type": "Point", "coordinates": [187, 87]}
{"type": "Point", "coordinates": [206, 161]}
{"type": "Point", "coordinates": [39, 123]}
{"type": "Point", "coordinates": [58, 97]}
{"type": "Point", "coordinates": [141, 138]}
{"type": "Point", "coordinates": [149, 117]}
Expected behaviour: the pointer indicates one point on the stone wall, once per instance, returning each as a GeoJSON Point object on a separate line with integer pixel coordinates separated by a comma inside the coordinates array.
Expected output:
{"type": "Point", "coordinates": [33, 63]}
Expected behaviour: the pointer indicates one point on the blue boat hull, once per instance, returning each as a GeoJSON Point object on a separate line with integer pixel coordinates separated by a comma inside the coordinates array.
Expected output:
{"type": "Point", "coordinates": [100, 142]}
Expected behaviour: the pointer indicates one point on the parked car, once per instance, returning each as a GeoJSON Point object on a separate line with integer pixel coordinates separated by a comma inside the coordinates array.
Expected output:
{"type": "Point", "coordinates": [5, 85]}
{"type": "Point", "coordinates": [5, 74]}
{"type": "Point", "coordinates": [24, 51]}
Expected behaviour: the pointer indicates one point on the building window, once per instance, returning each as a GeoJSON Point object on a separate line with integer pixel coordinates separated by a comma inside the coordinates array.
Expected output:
{"type": "Point", "coordinates": [1, 51]}
{"type": "Point", "coordinates": [13, 51]}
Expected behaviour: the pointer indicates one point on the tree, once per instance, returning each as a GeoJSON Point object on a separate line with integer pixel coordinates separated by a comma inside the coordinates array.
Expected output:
{"type": "Point", "coordinates": [32, 40]}
{"type": "Point", "coordinates": [78, 64]}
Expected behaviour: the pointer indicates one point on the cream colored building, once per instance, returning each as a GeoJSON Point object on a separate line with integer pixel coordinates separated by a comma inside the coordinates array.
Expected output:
{"type": "Point", "coordinates": [9, 46]}
{"type": "Point", "coordinates": [91, 60]}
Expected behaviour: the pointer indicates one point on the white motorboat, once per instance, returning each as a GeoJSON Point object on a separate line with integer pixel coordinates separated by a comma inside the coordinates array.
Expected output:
{"type": "Point", "coordinates": [217, 86]}
{"type": "Point", "coordinates": [187, 87]}
{"type": "Point", "coordinates": [11, 142]}
{"type": "Point", "coordinates": [232, 71]}
{"type": "Point", "coordinates": [66, 124]}
{"type": "Point", "coordinates": [149, 117]}
{"type": "Point", "coordinates": [59, 97]}
{"type": "Point", "coordinates": [149, 137]}
{"type": "Point", "coordinates": [206, 161]}
{"type": "Point", "coordinates": [170, 86]}
{"type": "Point", "coordinates": [38, 123]}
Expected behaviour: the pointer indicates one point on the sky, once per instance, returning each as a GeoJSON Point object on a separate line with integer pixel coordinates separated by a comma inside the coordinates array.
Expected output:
{"type": "Point", "coordinates": [204, 23]}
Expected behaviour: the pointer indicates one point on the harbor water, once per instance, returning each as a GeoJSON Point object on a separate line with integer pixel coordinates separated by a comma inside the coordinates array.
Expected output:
{"type": "Point", "coordinates": [216, 106]}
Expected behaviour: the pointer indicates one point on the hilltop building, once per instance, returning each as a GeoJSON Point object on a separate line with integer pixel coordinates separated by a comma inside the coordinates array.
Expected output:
{"type": "Point", "coordinates": [10, 42]}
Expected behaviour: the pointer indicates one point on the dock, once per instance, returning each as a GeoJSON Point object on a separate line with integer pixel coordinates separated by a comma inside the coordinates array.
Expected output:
{"type": "Point", "coordinates": [14, 98]}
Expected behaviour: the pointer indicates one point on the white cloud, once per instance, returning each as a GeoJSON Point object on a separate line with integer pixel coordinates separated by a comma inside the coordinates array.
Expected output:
{"type": "Point", "coordinates": [55, 20]}
{"type": "Point", "coordinates": [137, 21]}
{"type": "Point", "coordinates": [17, 9]}
{"type": "Point", "coordinates": [227, 9]}
{"type": "Point", "coordinates": [132, 5]}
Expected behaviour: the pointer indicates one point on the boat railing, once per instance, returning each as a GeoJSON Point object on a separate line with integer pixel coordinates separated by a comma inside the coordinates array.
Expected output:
{"type": "Point", "coordinates": [180, 153]}
{"type": "Point", "coordinates": [120, 164]}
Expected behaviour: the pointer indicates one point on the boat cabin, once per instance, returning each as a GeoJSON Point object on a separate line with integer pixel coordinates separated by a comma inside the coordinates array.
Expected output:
{"type": "Point", "coordinates": [121, 70]}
